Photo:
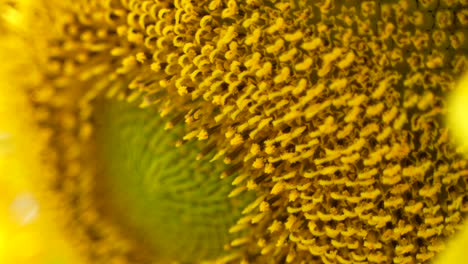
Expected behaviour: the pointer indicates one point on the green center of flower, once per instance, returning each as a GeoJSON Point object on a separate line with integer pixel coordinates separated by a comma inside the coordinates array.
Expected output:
{"type": "Point", "coordinates": [175, 203]}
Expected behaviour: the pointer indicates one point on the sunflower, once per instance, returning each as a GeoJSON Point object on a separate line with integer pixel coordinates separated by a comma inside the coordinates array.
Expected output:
{"type": "Point", "coordinates": [244, 131]}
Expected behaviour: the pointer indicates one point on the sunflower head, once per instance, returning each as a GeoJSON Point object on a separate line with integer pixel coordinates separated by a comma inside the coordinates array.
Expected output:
{"type": "Point", "coordinates": [330, 114]}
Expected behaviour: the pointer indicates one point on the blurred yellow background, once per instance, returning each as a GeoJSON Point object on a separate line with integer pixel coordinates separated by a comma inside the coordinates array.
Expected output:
{"type": "Point", "coordinates": [457, 120]}
{"type": "Point", "coordinates": [28, 233]}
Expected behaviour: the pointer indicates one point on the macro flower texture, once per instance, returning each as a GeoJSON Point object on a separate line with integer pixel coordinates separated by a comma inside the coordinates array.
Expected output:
{"type": "Point", "coordinates": [233, 131]}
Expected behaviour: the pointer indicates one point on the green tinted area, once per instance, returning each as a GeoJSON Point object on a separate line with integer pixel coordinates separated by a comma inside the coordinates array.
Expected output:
{"type": "Point", "coordinates": [177, 204]}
